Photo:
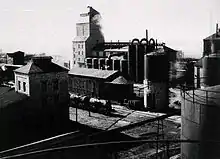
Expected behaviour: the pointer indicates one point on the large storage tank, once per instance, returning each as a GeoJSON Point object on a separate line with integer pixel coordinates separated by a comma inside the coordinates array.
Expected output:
{"type": "Point", "coordinates": [109, 64]}
{"type": "Point", "coordinates": [116, 65]}
{"type": "Point", "coordinates": [200, 121]}
{"type": "Point", "coordinates": [102, 63]}
{"type": "Point", "coordinates": [132, 60]}
{"type": "Point", "coordinates": [211, 70]}
{"type": "Point", "coordinates": [124, 66]}
{"type": "Point", "coordinates": [95, 63]}
{"type": "Point", "coordinates": [157, 67]}
{"type": "Point", "coordinates": [156, 95]}
{"type": "Point", "coordinates": [140, 64]}
{"type": "Point", "coordinates": [88, 62]}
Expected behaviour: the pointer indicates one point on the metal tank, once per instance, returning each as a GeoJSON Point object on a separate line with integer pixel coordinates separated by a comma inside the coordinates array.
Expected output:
{"type": "Point", "coordinates": [200, 115]}
{"type": "Point", "coordinates": [102, 63]}
{"type": "Point", "coordinates": [140, 64]}
{"type": "Point", "coordinates": [88, 62]}
{"type": "Point", "coordinates": [157, 67]}
{"type": "Point", "coordinates": [124, 66]}
{"type": "Point", "coordinates": [108, 63]}
{"type": "Point", "coordinates": [211, 70]}
{"type": "Point", "coordinates": [156, 74]}
{"type": "Point", "coordinates": [132, 50]}
{"type": "Point", "coordinates": [95, 63]}
{"type": "Point", "coordinates": [116, 65]}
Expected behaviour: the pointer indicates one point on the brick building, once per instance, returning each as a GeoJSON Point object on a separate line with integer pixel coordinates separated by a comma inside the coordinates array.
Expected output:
{"type": "Point", "coordinates": [95, 82]}
{"type": "Point", "coordinates": [88, 34]}
{"type": "Point", "coordinates": [46, 85]}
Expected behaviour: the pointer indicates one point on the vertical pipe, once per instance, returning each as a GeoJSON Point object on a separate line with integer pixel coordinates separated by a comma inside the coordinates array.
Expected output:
{"type": "Point", "coordinates": [137, 63]}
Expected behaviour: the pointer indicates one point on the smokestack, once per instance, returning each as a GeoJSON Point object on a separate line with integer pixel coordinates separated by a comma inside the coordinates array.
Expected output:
{"type": "Point", "coordinates": [146, 34]}
{"type": "Point", "coordinates": [217, 28]}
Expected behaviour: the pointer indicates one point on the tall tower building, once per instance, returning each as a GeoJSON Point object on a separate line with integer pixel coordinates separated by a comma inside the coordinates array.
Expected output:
{"type": "Point", "coordinates": [88, 34]}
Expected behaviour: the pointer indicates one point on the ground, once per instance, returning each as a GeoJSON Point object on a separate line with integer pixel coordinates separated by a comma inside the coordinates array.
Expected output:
{"type": "Point", "coordinates": [124, 117]}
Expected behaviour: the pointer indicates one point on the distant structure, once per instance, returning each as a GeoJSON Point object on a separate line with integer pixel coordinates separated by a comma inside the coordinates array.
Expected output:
{"type": "Point", "coordinates": [16, 58]}
{"type": "Point", "coordinates": [212, 43]}
{"type": "Point", "coordinates": [88, 34]}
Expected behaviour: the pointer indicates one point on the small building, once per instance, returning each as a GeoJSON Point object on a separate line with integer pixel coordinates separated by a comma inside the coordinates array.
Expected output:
{"type": "Point", "coordinates": [16, 58]}
{"type": "Point", "coordinates": [46, 85]}
{"type": "Point", "coordinates": [94, 82]}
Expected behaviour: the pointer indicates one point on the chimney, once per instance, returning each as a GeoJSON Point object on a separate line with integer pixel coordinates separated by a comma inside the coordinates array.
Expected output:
{"type": "Point", "coordinates": [146, 34]}
{"type": "Point", "coordinates": [217, 28]}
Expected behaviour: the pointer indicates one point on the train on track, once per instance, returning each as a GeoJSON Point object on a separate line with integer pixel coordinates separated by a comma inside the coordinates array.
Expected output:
{"type": "Point", "coordinates": [91, 104]}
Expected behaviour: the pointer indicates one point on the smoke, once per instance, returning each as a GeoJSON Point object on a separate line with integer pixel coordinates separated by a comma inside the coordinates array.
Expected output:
{"type": "Point", "coordinates": [96, 22]}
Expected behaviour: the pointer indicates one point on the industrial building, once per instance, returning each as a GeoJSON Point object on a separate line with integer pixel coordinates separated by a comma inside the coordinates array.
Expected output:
{"type": "Point", "coordinates": [99, 83]}
{"type": "Point", "coordinates": [88, 34]}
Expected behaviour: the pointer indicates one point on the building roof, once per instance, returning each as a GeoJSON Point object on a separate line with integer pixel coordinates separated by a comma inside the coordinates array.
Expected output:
{"type": "Point", "coordinates": [213, 36]}
{"type": "Point", "coordinates": [80, 38]}
{"type": "Point", "coordinates": [9, 96]}
{"type": "Point", "coordinates": [120, 80]}
{"type": "Point", "coordinates": [41, 67]}
{"type": "Point", "coordinates": [95, 73]}
{"type": "Point", "coordinates": [15, 53]}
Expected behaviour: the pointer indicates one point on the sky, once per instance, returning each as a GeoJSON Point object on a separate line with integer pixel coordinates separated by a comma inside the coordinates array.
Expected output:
{"type": "Point", "coordinates": [48, 26]}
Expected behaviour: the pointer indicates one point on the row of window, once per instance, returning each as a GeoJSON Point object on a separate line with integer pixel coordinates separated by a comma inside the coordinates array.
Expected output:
{"type": "Point", "coordinates": [74, 55]}
{"type": "Point", "coordinates": [45, 83]}
{"type": "Point", "coordinates": [23, 84]}
{"type": "Point", "coordinates": [82, 46]}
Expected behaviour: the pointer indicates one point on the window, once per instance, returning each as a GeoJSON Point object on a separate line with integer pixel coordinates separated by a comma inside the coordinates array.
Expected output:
{"type": "Point", "coordinates": [74, 49]}
{"type": "Point", "coordinates": [24, 86]}
{"type": "Point", "coordinates": [55, 85]}
{"type": "Point", "coordinates": [82, 52]}
{"type": "Point", "coordinates": [82, 46]}
{"type": "Point", "coordinates": [19, 85]}
{"type": "Point", "coordinates": [79, 53]}
{"type": "Point", "coordinates": [56, 98]}
{"type": "Point", "coordinates": [78, 45]}
{"type": "Point", "coordinates": [44, 86]}
{"type": "Point", "coordinates": [78, 59]}
{"type": "Point", "coordinates": [74, 62]}
{"type": "Point", "coordinates": [74, 55]}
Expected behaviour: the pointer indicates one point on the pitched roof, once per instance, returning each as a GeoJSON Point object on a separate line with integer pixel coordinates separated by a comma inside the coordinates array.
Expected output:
{"type": "Point", "coordinates": [120, 80]}
{"type": "Point", "coordinates": [95, 73]}
{"type": "Point", "coordinates": [213, 36]}
{"type": "Point", "coordinates": [9, 96]}
{"type": "Point", "coordinates": [32, 67]}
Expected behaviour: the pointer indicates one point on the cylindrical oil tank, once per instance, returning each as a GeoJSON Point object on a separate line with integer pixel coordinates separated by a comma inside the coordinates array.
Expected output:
{"type": "Point", "coordinates": [88, 62]}
{"type": "Point", "coordinates": [200, 121]}
{"type": "Point", "coordinates": [102, 63]}
{"type": "Point", "coordinates": [157, 67]}
{"type": "Point", "coordinates": [95, 63]}
{"type": "Point", "coordinates": [189, 76]}
{"type": "Point", "coordinates": [140, 64]}
{"type": "Point", "coordinates": [158, 96]}
{"type": "Point", "coordinates": [132, 61]}
{"type": "Point", "coordinates": [124, 66]}
{"type": "Point", "coordinates": [211, 70]}
{"type": "Point", "coordinates": [116, 64]}
{"type": "Point", "coordinates": [109, 65]}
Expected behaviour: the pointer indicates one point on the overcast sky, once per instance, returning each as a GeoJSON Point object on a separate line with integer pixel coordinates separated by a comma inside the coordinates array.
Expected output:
{"type": "Point", "coordinates": [36, 26]}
